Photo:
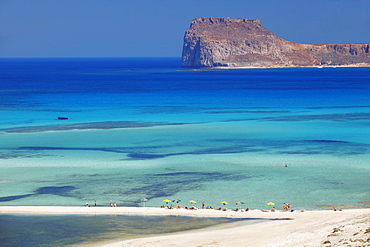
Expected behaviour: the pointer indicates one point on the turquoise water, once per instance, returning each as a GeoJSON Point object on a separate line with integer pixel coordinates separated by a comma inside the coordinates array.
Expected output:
{"type": "Point", "coordinates": [147, 128]}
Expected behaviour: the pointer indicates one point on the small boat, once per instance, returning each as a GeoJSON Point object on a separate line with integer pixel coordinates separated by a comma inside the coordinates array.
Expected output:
{"type": "Point", "coordinates": [62, 118]}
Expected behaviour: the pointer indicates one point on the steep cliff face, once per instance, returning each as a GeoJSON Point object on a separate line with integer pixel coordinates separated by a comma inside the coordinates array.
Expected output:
{"type": "Point", "coordinates": [212, 42]}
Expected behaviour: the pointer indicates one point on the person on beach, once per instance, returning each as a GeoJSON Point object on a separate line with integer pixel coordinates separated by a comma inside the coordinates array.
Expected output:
{"type": "Point", "coordinates": [203, 205]}
{"type": "Point", "coordinates": [95, 203]}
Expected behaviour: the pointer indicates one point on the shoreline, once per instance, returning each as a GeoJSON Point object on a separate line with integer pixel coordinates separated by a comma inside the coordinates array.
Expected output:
{"type": "Point", "coordinates": [305, 228]}
{"type": "Point", "coordinates": [360, 65]}
{"type": "Point", "coordinates": [308, 228]}
{"type": "Point", "coordinates": [155, 211]}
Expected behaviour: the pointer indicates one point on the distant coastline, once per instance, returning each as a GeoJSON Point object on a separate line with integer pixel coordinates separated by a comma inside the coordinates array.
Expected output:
{"type": "Point", "coordinates": [362, 65]}
{"type": "Point", "coordinates": [245, 43]}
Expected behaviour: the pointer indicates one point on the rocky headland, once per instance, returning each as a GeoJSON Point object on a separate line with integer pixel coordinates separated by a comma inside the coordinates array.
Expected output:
{"type": "Point", "coordinates": [225, 42]}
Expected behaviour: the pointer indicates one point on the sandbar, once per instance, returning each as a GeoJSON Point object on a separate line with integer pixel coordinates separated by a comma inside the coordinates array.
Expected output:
{"type": "Point", "coordinates": [350, 227]}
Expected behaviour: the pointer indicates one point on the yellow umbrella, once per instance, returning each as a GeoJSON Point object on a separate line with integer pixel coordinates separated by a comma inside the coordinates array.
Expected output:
{"type": "Point", "coordinates": [224, 202]}
{"type": "Point", "coordinates": [270, 203]}
{"type": "Point", "coordinates": [167, 201]}
{"type": "Point", "coordinates": [192, 201]}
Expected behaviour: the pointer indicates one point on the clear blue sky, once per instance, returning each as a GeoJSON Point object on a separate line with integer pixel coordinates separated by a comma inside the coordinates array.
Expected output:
{"type": "Point", "coordinates": [148, 28]}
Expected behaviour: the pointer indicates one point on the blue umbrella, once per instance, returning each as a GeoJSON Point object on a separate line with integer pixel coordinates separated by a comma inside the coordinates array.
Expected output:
{"type": "Point", "coordinates": [239, 203]}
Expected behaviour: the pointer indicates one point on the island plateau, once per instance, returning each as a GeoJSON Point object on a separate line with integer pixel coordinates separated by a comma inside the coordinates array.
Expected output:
{"type": "Point", "coordinates": [225, 42]}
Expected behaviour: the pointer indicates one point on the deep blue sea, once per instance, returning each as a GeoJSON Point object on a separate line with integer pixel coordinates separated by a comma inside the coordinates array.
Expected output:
{"type": "Point", "coordinates": [145, 127]}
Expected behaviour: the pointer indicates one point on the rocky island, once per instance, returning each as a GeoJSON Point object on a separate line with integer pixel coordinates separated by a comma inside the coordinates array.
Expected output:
{"type": "Point", "coordinates": [225, 42]}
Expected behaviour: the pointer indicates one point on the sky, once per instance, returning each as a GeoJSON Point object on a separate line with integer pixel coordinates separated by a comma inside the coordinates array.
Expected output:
{"type": "Point", "coordinates": [149, 28]}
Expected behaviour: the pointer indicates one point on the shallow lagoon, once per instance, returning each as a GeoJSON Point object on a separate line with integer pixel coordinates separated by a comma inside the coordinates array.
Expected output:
{"type": "Point", "coordinates": [93, 230]}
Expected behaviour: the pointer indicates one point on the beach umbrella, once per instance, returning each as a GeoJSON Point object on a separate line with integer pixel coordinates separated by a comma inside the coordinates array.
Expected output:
{"type": "Point", "coordinates": [192, 201]}
{"type": "Point", "coordinates": [177, 201]}
{"type": "Point", "coordinates": [144, 200]}
{"type": "Point", "coordinates": [166, 201]}
{"type": "Point", "coordinates": [239, 203]}
{"type": "Point", "coordinates": [224, 202]}
{"type": "Point", "coordinates": [270, 203]}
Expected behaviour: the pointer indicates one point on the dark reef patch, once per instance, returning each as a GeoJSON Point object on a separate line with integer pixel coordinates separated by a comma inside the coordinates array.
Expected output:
{"type": "Point", "coordinates": [183, 173]}
{"type": "Point", "coordinates": [55, 190]}
{"type": "Point", "coordinates": [146, 156]}
{"type": "Point", "coordinates": [52, 190]}
{"type": "Point", "coordinates": [319, 117]}
{"type": "Point", "coordinates": [12, 198]}
{"type": "Point", "coordinates": [246, 111]}
{"type": "Point", "coordinates": [86, 126]}
{"type": "Point", "coordinates": [327, 141]}
{"type": "Point", "coordinates": [224, 146]}
{"type": "Point", "coordinates": [126, 190]}
{"type": "Point", "coordinates": [337, 107]}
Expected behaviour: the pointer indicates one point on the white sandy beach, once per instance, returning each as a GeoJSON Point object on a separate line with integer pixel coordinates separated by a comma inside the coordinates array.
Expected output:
{"type": "Point", "coordinates": [349, 227]}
